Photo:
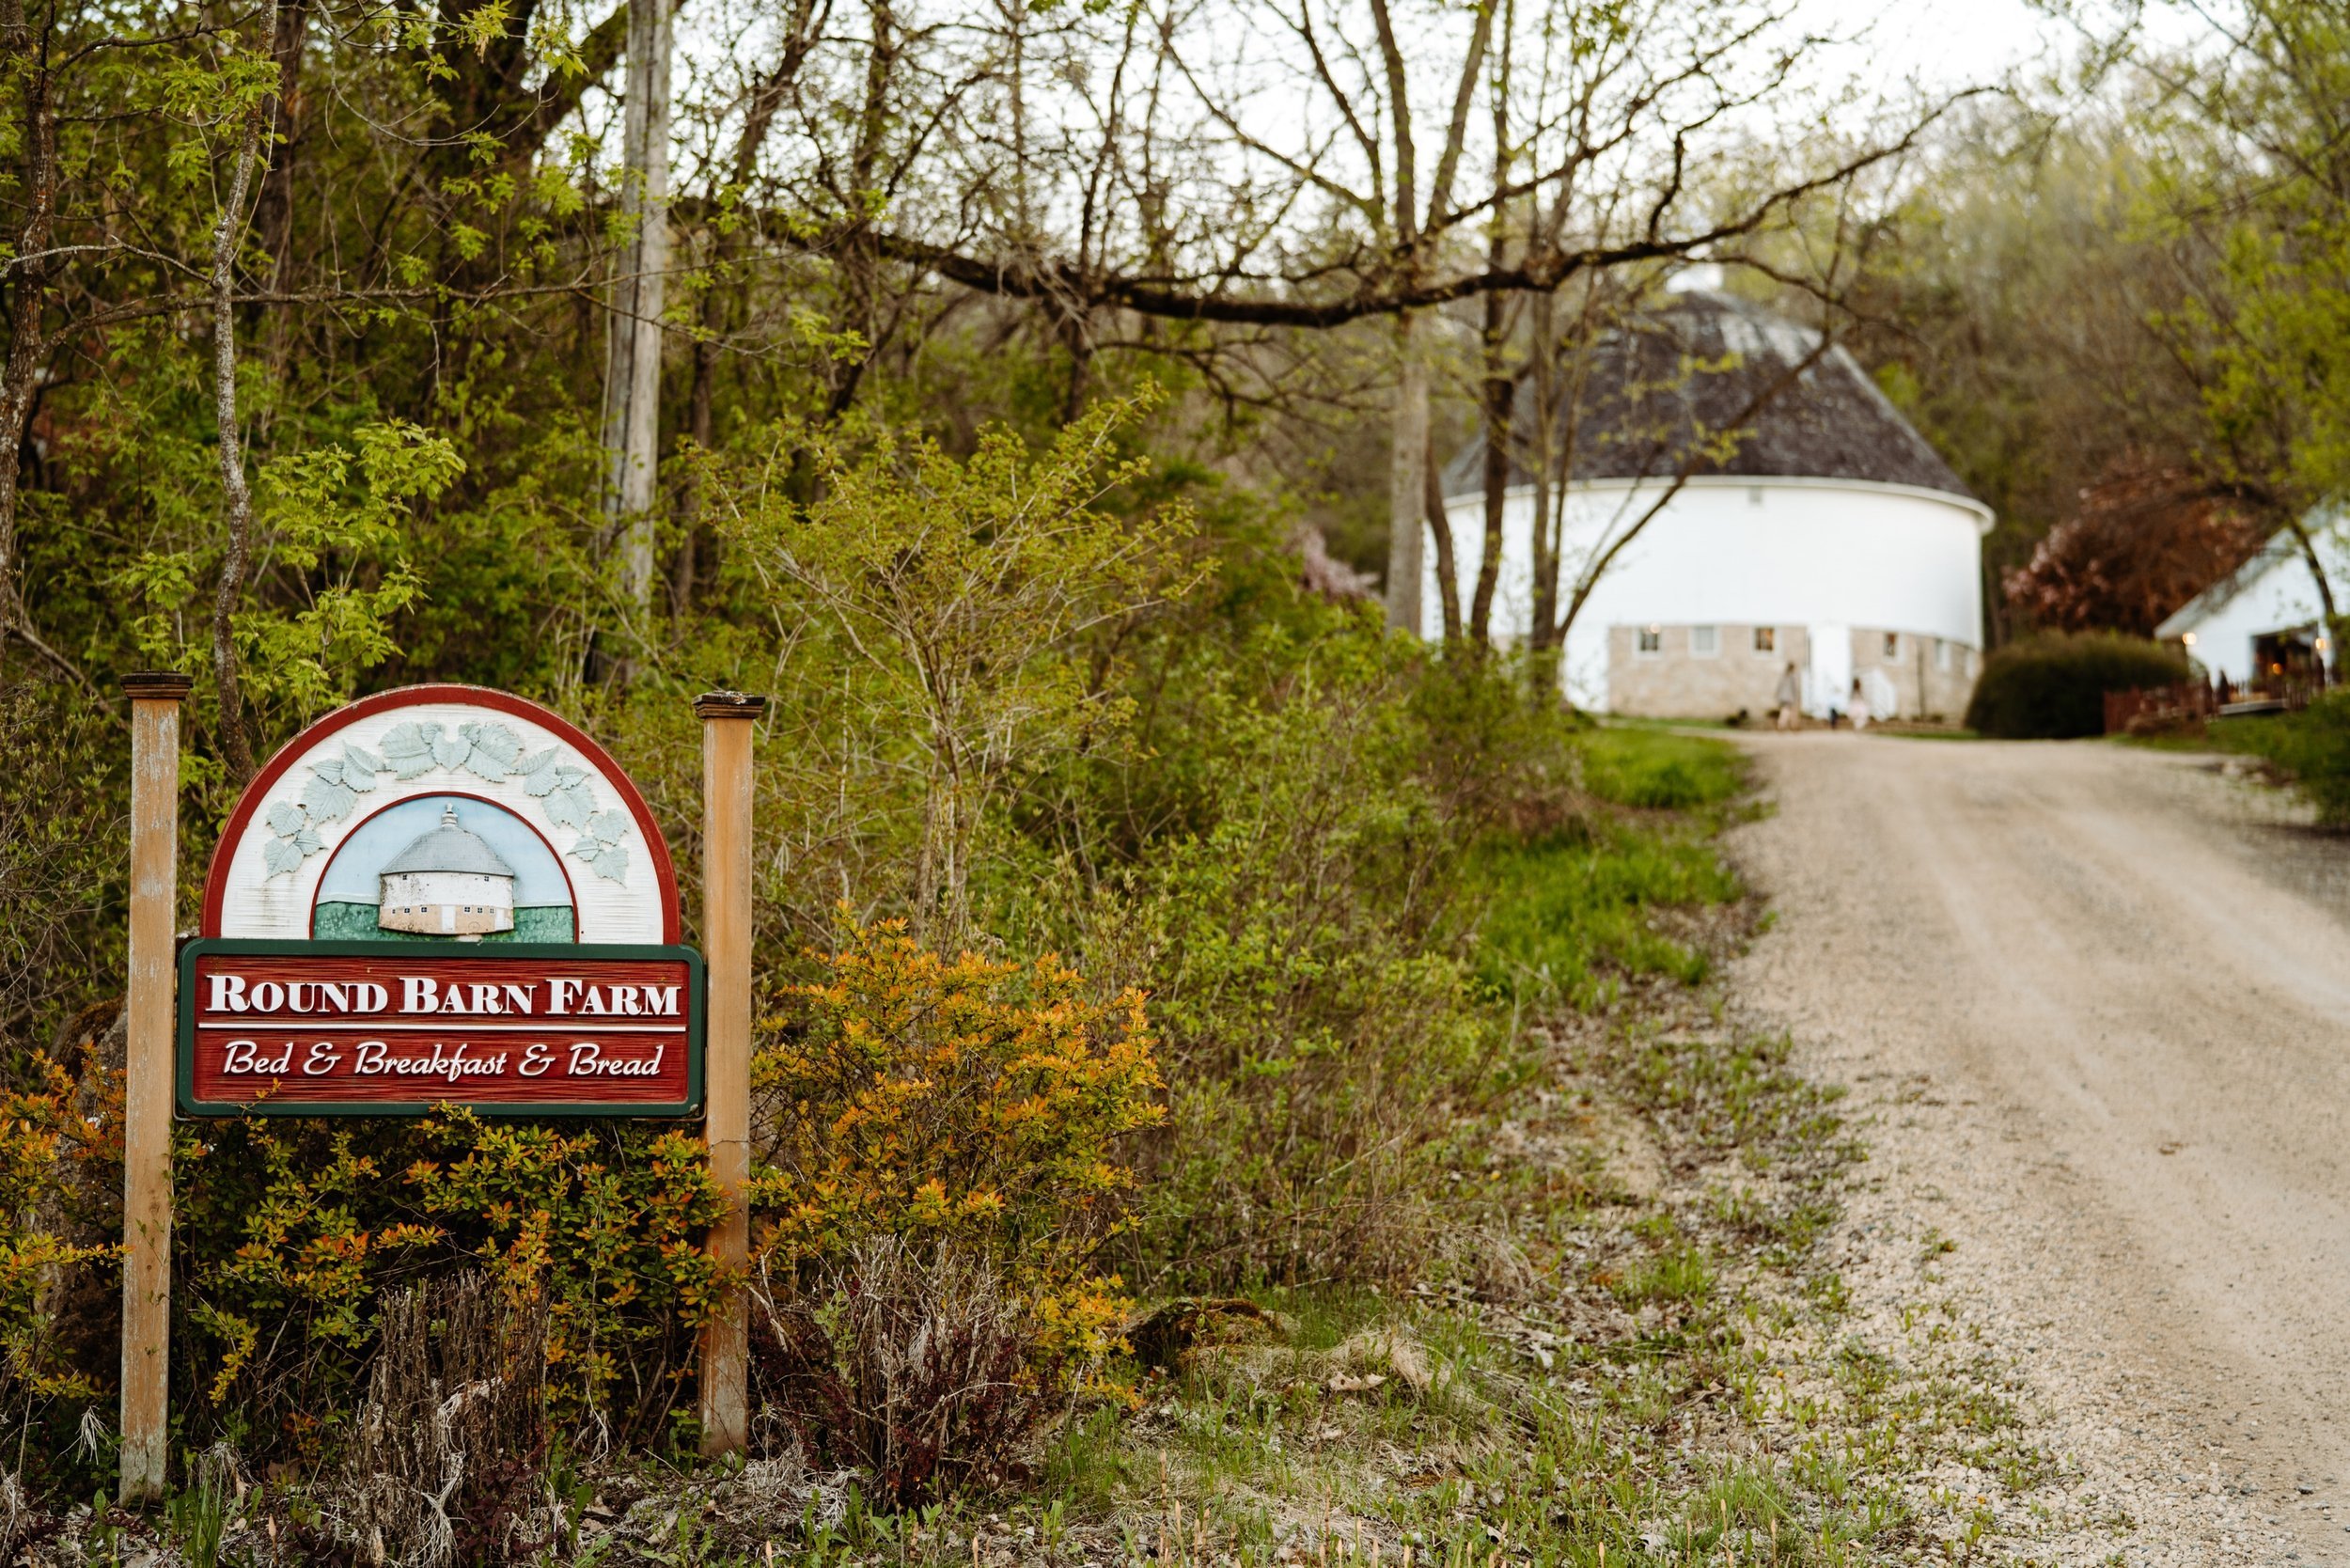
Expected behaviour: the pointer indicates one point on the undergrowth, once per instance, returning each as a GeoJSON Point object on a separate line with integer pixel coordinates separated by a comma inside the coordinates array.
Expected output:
{"type": "Point", "coordinates": [1622, 1343]}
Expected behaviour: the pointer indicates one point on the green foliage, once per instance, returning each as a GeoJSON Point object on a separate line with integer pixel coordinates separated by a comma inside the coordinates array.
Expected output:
{"type": "Point", "coordinates": [2265, 329]}
{"type": "Point", "coordinates": [2052, 686]}
{"type": "Point", "coordinates": [40, 1135]}
{"type": "Point", "coordinates": [1577, 908]}
{"type": "Point", "coordinates": [289, 1232]}
{"type": "Point", "coordinates": [1323, 1035]}
{"type": "Point", "coordinates": [2313, 748]}
{"type": "Point", "coordinates": [962, 586]}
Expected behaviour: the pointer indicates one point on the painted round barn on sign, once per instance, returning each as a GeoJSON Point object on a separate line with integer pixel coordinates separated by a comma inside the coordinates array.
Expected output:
{"type": "Point", "coordinates": [441, 895]}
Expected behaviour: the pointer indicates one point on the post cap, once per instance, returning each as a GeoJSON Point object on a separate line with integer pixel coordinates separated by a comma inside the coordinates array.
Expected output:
{"type": "Point", "coordinates": [167, 685]}
{"type": "Point", "coordinates": [730, 705]}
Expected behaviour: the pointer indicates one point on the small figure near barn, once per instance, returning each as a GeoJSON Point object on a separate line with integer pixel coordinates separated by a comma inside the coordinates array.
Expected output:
{"type": "Point", "coordinates": [448, 883]}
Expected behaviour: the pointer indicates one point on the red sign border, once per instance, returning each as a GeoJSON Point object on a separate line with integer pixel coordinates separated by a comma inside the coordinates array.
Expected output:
{"type": "Point", "coordinates": [574, 952]}
{"type": "Point", "coordinates": [240, 819]}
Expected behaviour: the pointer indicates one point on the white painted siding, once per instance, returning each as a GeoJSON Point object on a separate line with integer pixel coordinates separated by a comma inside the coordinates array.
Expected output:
{"type": "Point", "coordinates": [2274, 593]}
{"type": "Point", "coordinates": [1771, 552]}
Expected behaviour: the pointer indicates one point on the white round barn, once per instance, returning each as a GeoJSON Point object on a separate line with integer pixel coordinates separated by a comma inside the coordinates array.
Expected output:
{"type": "Point", "coordinates": [448, 883]}
{"type": "Point", "coordinates": [1826, 534]}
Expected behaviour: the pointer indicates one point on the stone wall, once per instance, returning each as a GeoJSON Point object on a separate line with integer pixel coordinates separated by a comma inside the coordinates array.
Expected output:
{"type": "Point", "coordinates": [1676, 683]}
{"type": "Point", "coordinates": [1933, 678]}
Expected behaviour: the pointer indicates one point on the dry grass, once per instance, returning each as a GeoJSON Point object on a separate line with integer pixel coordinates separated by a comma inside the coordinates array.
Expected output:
{"type": "Point", "coordinates": [445, 1454]}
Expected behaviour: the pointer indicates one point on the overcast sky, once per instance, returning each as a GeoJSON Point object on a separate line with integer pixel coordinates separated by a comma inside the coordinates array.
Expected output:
{"type": "Point", "coordinates": [1952, 43]}
{"type": "Point", "coordinates": [1946, 42]}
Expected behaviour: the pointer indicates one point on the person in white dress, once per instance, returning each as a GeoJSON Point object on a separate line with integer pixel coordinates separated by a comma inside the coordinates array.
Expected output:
{"type": "Point", "coordinates": [1790, 696]}
{"type": "Point", "coordinates": [1858, 707]}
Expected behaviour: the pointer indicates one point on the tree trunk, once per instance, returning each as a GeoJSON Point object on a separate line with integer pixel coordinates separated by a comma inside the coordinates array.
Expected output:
{"type": "Point", "coordinates": [273, 211]}
{"type": "Point", "coordinates": [1544, 595]}
{"type": "Point", "coordinates": [1500, 399]}
{"type": "Point", "coordinates": [1406, 482]}
{"type": "Point", "coordinates": [2330, 664]}
{"type": "Point", "coordinates": [28, 347]}
{"type": "Point", "coordinates": [1440, 525]}
{"type": "Point", "coordinates": [236, 746]}
{"type": "Point", "coordinates": [632, 429]}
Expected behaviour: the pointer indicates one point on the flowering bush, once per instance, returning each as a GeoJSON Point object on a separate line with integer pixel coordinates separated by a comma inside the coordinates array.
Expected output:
{"type": "Point", "coordinates": [292, 1230]}
{"type": "Point", "coordinates": [966, 1104]}
{"type": "Point", "coordinates": [38, 1134]}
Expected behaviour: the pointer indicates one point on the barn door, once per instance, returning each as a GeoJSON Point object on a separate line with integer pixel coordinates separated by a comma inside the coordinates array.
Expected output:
{"type": "Point", "coordinates": [1828, 682]}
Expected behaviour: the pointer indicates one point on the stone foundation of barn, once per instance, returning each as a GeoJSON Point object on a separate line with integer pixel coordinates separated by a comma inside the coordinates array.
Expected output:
{"type": "Point", "coordinates": [1714, 672]}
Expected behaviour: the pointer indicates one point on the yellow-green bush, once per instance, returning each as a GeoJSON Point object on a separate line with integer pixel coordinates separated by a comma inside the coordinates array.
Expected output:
{"type": "Point", "coordinates": [38, 1132]}
{"type": "Point", "coordinates": [969, 1104]}
{"type": "Point", "coordinates": [288, 1233]}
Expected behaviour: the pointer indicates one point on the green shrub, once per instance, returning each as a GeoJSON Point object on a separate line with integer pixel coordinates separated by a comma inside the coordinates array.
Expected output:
{"type": "Point", "coordinates": [1281, 857]}
{"type": "Point", "coordinates": [2313, 746]}
{"type": "Point", "coordinates": [1323, 1037]}
{"type": "Point", "coordinates": [287, 1233]}
{"type": "Point", "coordinates": [2052, 686]}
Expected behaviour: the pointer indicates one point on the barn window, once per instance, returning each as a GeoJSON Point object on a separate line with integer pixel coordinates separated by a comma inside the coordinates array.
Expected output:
{"type": "Point", "coordinates": [1942, 655]}
{"type": "Point", "coordinates": [1766, 639]}
{"type": "Point", "coordinates": [1892, 645]}
{"type": "Point", "coordinates": [1705, 641]}
{"type": "Point", "coordinates": [1650, 640]}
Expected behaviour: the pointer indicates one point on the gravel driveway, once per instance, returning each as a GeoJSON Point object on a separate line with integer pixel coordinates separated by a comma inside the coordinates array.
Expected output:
{"type": "Point", "coordinates": [2094, 1004]}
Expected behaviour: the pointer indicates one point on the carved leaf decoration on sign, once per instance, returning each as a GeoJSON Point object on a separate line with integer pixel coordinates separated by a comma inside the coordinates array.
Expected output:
{"type": "Point", "coordinates": [327, 800]}
{"type": "Point", "coordinates": [488, 750]}
{"type": "Point", "coordinates": [409, 749]}
{"type": "Point", "coordinates": [609, 861]}
{"type": "Point", "coordinates": [360, 766]}
{"type": "Point", "coordinates": [494, 749]}
{"type": "Point", "coordinates": [570, 807]}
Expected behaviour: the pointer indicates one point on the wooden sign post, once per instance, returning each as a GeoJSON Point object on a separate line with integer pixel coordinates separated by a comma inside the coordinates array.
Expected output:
{"type": "Point", "coordinates": [155, 699]}
{"type": "Point", "coordinates": [727, 724]}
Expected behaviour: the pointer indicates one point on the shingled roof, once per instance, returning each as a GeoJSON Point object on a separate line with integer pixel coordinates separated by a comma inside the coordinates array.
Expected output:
{"type": "Point", "coordinates": [1685, 369]}
{"type": "Point", "coordinates": [448, 848]}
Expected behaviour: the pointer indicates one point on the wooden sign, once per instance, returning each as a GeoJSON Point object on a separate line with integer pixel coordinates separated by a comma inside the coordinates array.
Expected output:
{"type": "Point", "coordinates": [442, 895]}
{"type": "Point", "coordinates": [376, 1028]}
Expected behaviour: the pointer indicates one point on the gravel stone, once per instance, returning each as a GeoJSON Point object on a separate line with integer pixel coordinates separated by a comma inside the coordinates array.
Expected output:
{"type": "Point", "coordinates": [2090, 1004]}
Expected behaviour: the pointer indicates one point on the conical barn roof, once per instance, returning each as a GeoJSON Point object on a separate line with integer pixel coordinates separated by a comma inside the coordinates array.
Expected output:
{"type": "Point", "coordinates": [448, 848]}
{"type": "Point", "coordinates": [1665, 386]}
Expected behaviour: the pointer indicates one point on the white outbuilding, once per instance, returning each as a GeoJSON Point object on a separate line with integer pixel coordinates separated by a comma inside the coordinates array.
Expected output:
{"type": "Point", "coordinates": [2264, 621]}
{"type": "Point", "coordinates": [1826, 534]}
{"type": "Point", "coordinates": [447, 882]}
